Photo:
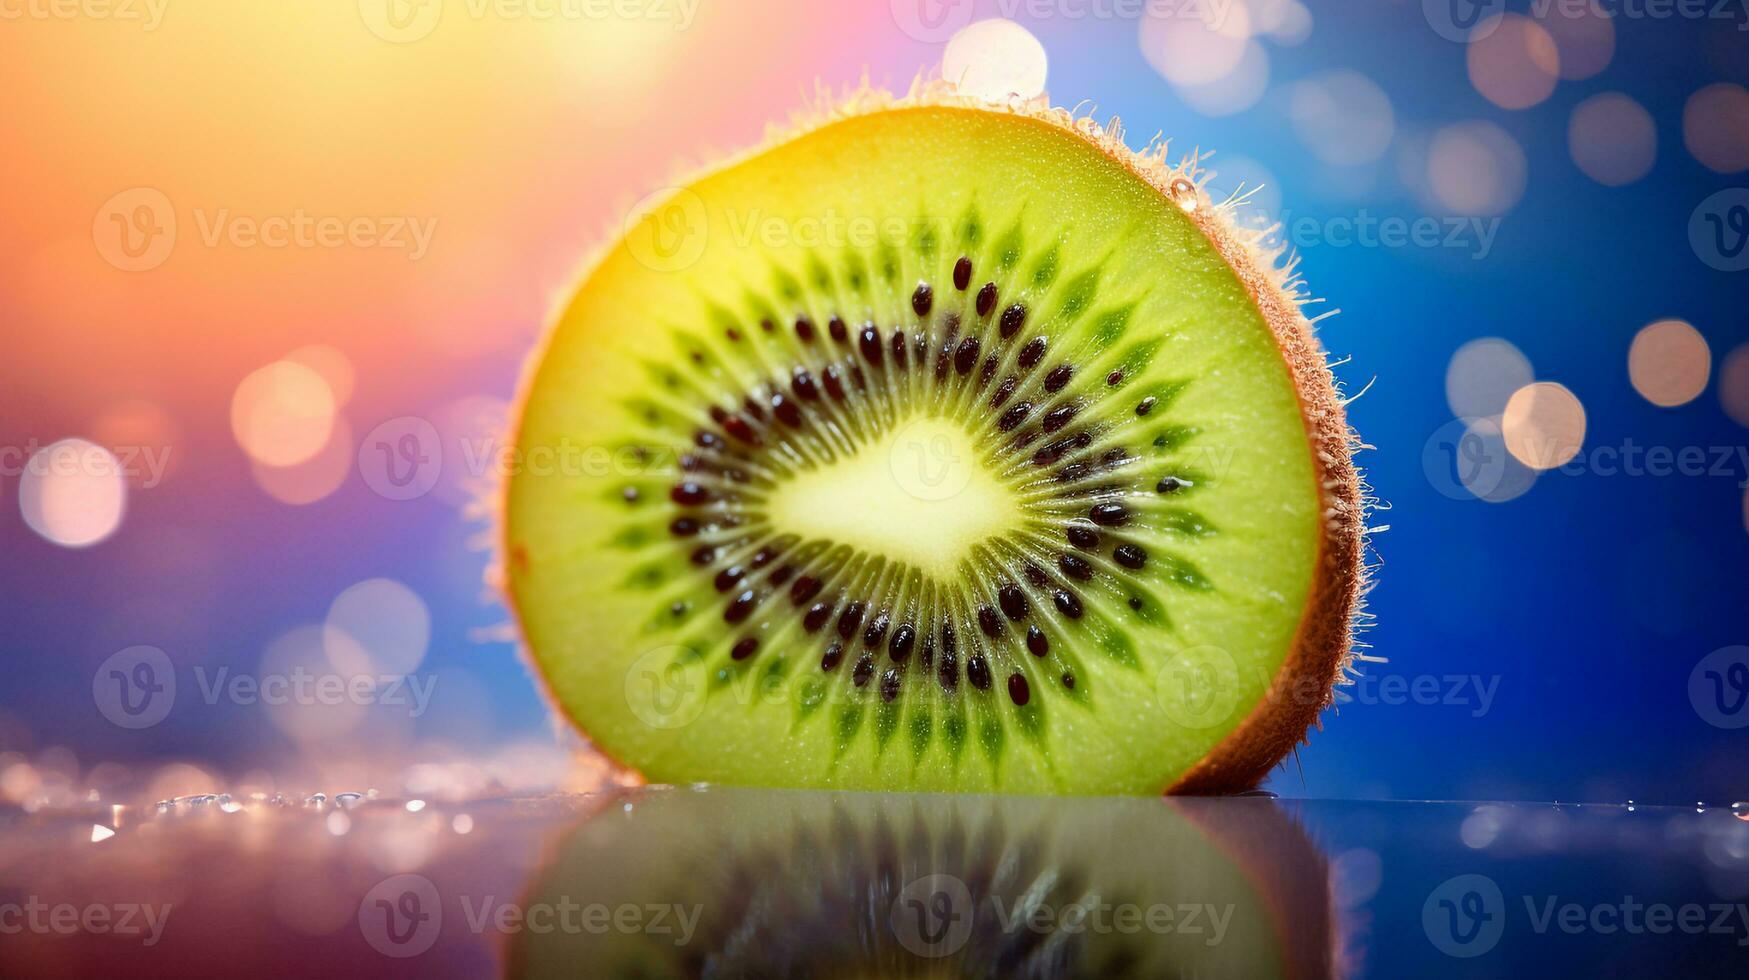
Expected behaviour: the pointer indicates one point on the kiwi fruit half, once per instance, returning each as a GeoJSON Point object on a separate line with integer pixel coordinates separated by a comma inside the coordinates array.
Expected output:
{"type": "Point", "coordinates": [761, 883]}
{"type": "Point", "coordinates": [939, 446]}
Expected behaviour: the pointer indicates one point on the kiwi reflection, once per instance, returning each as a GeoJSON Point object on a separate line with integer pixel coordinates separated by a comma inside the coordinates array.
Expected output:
{"type": "Point", "coordinates": [737, 883]}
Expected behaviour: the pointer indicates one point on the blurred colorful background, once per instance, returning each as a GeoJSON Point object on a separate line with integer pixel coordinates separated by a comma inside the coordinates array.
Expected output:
{"type": "Point", "coordinates": [248, 250]}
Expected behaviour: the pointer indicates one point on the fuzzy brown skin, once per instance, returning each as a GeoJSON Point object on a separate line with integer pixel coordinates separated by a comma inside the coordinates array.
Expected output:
{"type": "Point", "coordinates": [1323, 644]}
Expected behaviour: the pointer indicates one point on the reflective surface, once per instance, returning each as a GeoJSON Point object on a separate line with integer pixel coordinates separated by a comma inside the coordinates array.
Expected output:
{"type": "Point", "coordinates": [716, 882]}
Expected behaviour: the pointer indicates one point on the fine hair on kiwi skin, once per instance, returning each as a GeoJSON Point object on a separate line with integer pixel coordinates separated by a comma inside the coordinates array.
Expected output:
{"type": "Point", "coordinates": [866, 639]}
{"type": "Point", "coordinates": [803, 883]}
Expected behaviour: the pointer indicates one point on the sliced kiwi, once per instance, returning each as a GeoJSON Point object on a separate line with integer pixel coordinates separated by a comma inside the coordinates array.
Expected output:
{"type": "Point", "coordinates": [940, 446]}
{"type": "Point", "coordinates": [750, 883]}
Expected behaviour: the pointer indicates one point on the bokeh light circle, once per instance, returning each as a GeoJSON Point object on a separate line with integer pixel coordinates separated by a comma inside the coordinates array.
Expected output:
{"type": "Point", "coordinates": [1612, 139]}
{"type": "Point", "coordinates": [73, 493]}
{"type": "Point", "coordinates": [334, 367]}
{"type": "Point", "coordinates": [1584, 36]}
{"type": "Point", "coordinates": [1482, 375]}
{"type": "Point", "coordinates": [1515, 64]}
{"type": "Point", "coordinates": [1342, 117]}
{"type": "Point", "coordinates": [1199, 49]}
{"type": "Point", "coordinates": [283, 414]}
{"type": "Point", "coordinates": [377, 627]}
{"type": "Point", "coordinates": [1734, 385]}
{"type": "Point", "coordinates": [303, 694]}
{"type": "Point", "coordinates": [1285, 22]}
{"type": "Point", "coordinates": [1475, 168]}
{"type": "Point", "coordinates": [315, 478]}
{"type": "Point", "coordinates": [1669, 363]}
{"type": "Point", "coordinates": [994, 59]}
{"type": "Point", "coordinates": [1715, 127]}
{"type": "Point", "coordinates": [1236, 91]}
{"type": "Point", "coordinates": [1543, 425]}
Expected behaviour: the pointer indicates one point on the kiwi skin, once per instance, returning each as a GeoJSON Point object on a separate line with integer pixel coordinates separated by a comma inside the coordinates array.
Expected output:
{"type": "Point", "coordinates": [1322, 654]}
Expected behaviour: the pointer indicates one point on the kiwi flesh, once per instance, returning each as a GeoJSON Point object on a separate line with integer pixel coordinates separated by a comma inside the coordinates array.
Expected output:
{"type": "Point", "coordinates": [760, 883]}
{"type": "Point", "coordinates": [938, 446]}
